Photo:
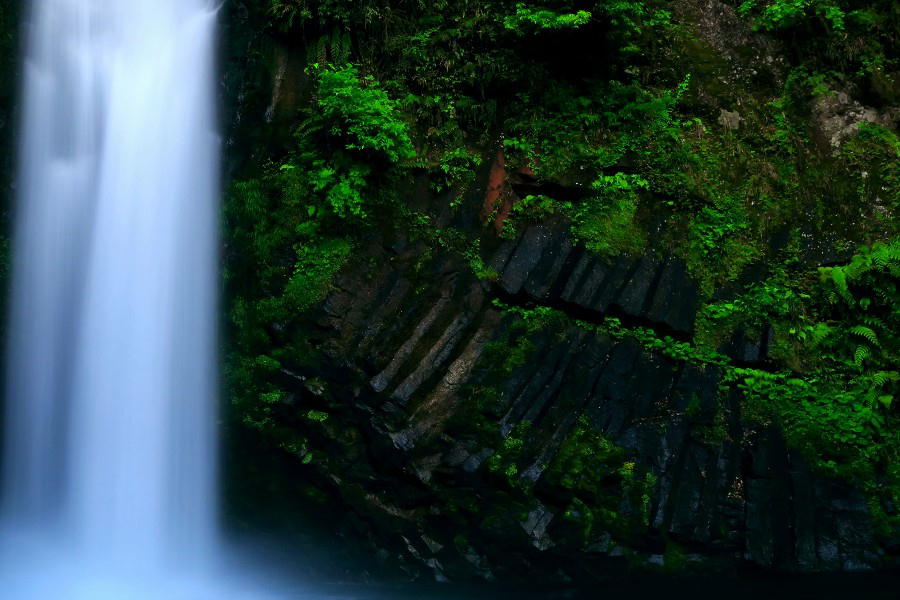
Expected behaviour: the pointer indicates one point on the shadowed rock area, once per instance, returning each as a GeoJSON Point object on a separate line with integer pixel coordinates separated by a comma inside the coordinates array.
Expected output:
{"type": "Point", "coordinates": [418, 383]}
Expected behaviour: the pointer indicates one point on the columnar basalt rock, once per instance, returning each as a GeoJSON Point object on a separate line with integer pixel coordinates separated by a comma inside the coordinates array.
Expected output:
{"type": "Point", "coordinates": [423, 385]}
{"type": "Point", "coordinates": [449, 445]}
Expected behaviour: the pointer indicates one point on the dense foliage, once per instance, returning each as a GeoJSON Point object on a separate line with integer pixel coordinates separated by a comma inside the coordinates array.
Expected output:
{"type": "Point", "coordinates": [625, 119]}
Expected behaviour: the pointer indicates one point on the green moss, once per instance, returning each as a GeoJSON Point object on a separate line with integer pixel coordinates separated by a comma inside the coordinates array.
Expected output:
{"type": "Point", "coordinates": [839, 412]}
{"type": "Point", "coordinates": [315, 267]}
{"type": "Point", "coordinates": [516, 343]}
{"type": "Point", "coordinates": [584, 459]}
{"type": "Point", "coordinates": [632, 154]}
{"type": "Point", "coordinates": [608, 492]}
{"type": "Point", "coordinates": [317, 415]}
{"type": "Point", "coordinates": [506, 459]}
{"type": "Point", "coordinates": [675, 559]}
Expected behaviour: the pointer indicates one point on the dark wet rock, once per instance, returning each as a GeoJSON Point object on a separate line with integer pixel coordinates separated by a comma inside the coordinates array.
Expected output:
{"type": "Point", "coordinates": [527, 255]}
{"type": "Point", "coordinates": [502, 255]}
{"type": "Point", "coordinates": [634, 295]}
{"type": "Point", "coordinates": [609, 291]}
{"type": "Point", "coordinates": [536, 527]}
{"type": "Point", "coordinates": [804, 525]}
{"type": "Point", "coordinates": [745, 348]}
{"type": "Point", "coordinates": [455, 450]}
{"type": "Point", "coordinates": [546, 272]}
{"type": "Point", "coordinates": [674, 301]}
{"type": "Point", "coordinates": [593, 279]}
{"type": "Point", "coordinates": [838, 117]}
{"type": "Point", "coordinates": [576, 276]}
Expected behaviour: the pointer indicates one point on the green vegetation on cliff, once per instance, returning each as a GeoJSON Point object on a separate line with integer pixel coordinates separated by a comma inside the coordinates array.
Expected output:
{"type": "Point", "coordinates": [758, 146]}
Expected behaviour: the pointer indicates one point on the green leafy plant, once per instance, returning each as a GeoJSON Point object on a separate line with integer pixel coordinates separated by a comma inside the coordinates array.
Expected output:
{"type": "Point", "coordinates": [527, 17]}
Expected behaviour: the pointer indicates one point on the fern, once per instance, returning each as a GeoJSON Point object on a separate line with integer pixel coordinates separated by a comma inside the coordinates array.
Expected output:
{"type": "Point", "coordinates": [874, 322]}
{"type": "Point", "coordinates": [861, 354]}
{"type": "Point", "coordinates": [818, 333]}
{"type": "Point", "coordinates": [838, 277]}
{"type": "Point", "coordinates": [865, 333]}
{"type": "Point", "coordinates": [880, 378]}
{"type": "Point", "coordinates": [886, 255]}
{"type": "Point", "coordinates": [878, 257]}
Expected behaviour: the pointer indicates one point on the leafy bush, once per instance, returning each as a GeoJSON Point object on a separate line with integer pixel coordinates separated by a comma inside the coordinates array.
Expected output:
{"type": "Point", "coordinates": [361, 115]}
{"type": "Point", "coordinates": [527, 17]}
{"type": "Point", "coordinates": [365, 140]}
{"type": "Point", "coordinates": [857, 36]}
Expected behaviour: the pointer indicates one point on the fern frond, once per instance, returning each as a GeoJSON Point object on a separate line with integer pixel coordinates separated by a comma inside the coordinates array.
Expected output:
{"type": "Point", "coordinates": [874, 322]}
{"type": "Point", "coordinates": [839, 277]}
{"type": "Point", "coordinates": [861, 354]}
{"type": "Point", "coordinates": [886, 256]}
{"type": "Point", "coordinates": [818, 333]}
{"type": "Point", "coordinates": [866, 333]}
{"type": "Point", "coordinates": [882, 377]}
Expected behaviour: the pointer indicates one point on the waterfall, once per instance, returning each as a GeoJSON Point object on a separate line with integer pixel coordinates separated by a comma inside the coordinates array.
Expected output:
{"type": "Point", "coordinates": [110, 454]}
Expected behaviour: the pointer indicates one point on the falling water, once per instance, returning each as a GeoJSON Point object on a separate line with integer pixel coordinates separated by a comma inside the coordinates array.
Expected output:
{"type": "Point", "coordinates": [109, 459]}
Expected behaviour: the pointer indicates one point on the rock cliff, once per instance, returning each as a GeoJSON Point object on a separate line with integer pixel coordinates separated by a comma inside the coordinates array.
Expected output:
{"type": "Point", "coordinates": [523, 406]}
